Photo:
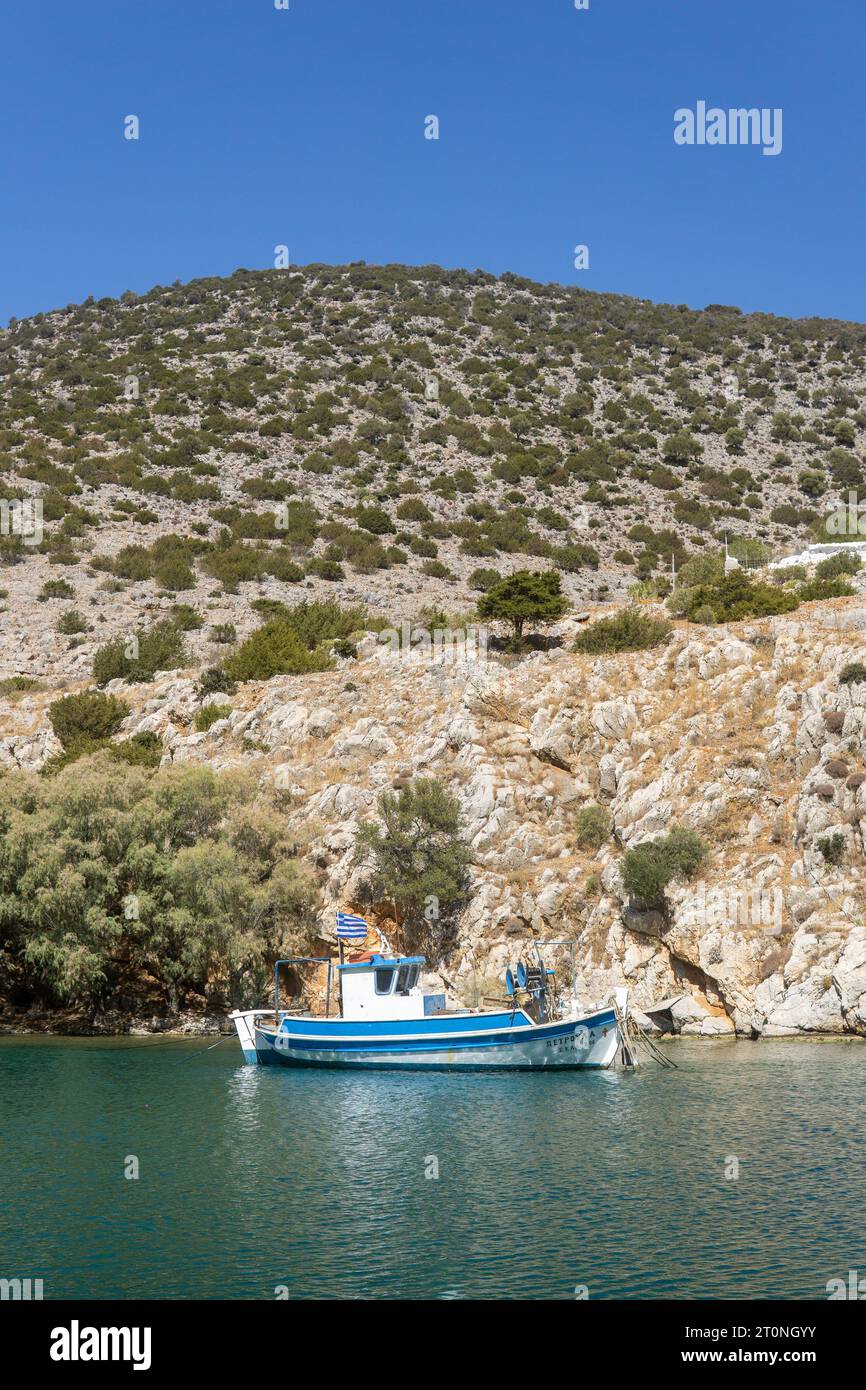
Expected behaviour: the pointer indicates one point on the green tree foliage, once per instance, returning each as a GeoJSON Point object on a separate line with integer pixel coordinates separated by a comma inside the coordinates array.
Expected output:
{"type": "Point", "coordinates": [109, 874]}
{"type": "Point", "coordinates": [650, 867]}
{"type": "Point", "coordinates": [524, 597]}
{"type": "Point", "coordinates": [418, 861]}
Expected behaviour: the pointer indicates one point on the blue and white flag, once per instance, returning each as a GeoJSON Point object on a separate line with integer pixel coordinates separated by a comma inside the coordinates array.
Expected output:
{"type": "Point", "coordinates": [351, 927]}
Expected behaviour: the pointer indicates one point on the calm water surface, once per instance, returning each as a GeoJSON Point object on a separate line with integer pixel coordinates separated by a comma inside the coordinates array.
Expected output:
{"type": "Point", "coordinates": [256, 1177]}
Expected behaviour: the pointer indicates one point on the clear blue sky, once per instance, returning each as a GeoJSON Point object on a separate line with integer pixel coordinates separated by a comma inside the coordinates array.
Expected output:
{"type": "Point", "coordinates": [306, 127]}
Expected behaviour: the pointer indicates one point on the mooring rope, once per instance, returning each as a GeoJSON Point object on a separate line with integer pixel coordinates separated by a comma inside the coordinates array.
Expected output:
{"type": "Point", "coordinates": [635, 1036]}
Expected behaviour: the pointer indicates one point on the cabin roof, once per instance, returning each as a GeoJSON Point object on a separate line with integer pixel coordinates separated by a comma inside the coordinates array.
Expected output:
{"type": "Point", "coordinates": [383, 963]}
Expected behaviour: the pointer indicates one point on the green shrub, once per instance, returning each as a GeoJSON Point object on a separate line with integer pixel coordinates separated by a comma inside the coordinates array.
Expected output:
{"type": "Point", "coordinates": [275, 649]}
{"type": "Point", "coordinates": [484, 579]}
{"type": "Point", "coordinates": [815, 589]}
{"type": "Point", "coordinates": [184, 616]}
{"type": "Point", "coordinates": [650, 867]}
{"type": "Point", "coordinates": [87, 716]}
{"type": "Point", "coordinates": [71, 623]}
{"type": "Point", "coordinates": [141, 750]}
{"type": "Point", "coordinates": [628, 631]}
{"type": "Point", "coordinates": [19, 685]}
{"type": "Point", "coordinates": [835, 565]}
{"type": "Point", "coordinates": [209, 714]}
{"type": "Point", "coordinates": [375, 520]}
{"type": "Point", "coordinates": [413, 509]}
{"type": "Point", "coordinates": [853, 674]}
{"type": "Point", "coordinates": [734, 597]}
{"type": "Point", "coordinates": [323, 568]}
{"type": "Point", "coordinates": [592, 827]}
{"type": "Point", "coordinates": [55, 588]}
{"type": "Point", "coordinates": [173, 573]}
{"type": "Point", "coordinates": [214, 680]}
{"type": "Point", "coordinates": [236, 564]}
{"type": "Point", "coordinates": [435, 569]}
{"type": "Point", "coordinates": [791, 573]}
{"type": "Point", "coordinates": [157, 648]}
{"type": "Point", "coordinates": [224, 633]}
{"type": "Point", "coordinates": [701, 569]}
{"type": "Point", "coordinates": [318, 622]}
{"type": "Point", "coordinates": [832, 847]}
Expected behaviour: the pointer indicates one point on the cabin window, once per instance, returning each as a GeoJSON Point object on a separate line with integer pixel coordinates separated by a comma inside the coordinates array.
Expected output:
{"type": "Point", "coordinates": [407, 978]}
{"type": "Point", "coordinates": [384, 981]}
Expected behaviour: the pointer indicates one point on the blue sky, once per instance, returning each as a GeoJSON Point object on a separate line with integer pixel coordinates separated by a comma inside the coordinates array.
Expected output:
{"type": "Point", "coordinates": [305, 127]}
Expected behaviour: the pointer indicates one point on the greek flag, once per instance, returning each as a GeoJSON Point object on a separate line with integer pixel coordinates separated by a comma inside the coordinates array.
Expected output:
{"type": "Point", "coordinates": [350, 927]}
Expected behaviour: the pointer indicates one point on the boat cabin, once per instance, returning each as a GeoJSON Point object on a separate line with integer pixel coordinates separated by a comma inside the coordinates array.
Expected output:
{"type": "Point", "coordinates": [386, 987]}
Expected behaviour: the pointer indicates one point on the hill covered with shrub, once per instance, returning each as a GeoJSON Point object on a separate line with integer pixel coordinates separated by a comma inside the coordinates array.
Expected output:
{"type": "Point", "coordinates": [398, 435]}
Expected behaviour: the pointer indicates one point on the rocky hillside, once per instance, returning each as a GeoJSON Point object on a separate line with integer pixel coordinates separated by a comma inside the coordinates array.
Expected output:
{"type": "Point", "coordinates": [396, 436]}
{"type": "Point", "coordinates": [397, 439]}
{"type": "Point", "coordinates": [743, 733]}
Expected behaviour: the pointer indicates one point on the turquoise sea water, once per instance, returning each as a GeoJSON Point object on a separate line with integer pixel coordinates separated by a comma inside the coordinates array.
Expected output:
{"type": "Point", "coordinates": [254, 1178]}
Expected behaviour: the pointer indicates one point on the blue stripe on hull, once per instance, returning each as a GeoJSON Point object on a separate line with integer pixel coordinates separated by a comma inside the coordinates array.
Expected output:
{"type": "Point", "coordinates": [435, 1024]}
{"type": "Point", "coordinates": [332, 1032]}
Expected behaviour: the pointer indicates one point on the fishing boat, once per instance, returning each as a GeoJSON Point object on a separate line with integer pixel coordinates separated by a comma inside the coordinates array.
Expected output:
{"type": "Point", "coordinates": [385, 1019]}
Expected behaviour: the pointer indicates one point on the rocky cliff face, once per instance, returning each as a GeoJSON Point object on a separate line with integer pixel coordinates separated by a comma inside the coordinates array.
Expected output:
{"type": "Point", "coordinates": [743, 733]}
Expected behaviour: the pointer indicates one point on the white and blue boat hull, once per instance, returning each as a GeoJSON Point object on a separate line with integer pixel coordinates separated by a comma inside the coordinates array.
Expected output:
{"type": "Point", "coordinates": [506, 1041]}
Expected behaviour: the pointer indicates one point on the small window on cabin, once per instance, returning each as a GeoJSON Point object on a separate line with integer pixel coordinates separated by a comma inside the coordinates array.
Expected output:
{"type": "Point", "coordinates": [407, 978]}
{"type": "Point", "coordinates": [384, 981]}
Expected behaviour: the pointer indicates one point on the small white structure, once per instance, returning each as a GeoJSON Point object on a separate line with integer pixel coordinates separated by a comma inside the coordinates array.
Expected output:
{"type": "Point", "coordinates": [813, 553]}
{"type": "Point", "coordinates": [731, 562]}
